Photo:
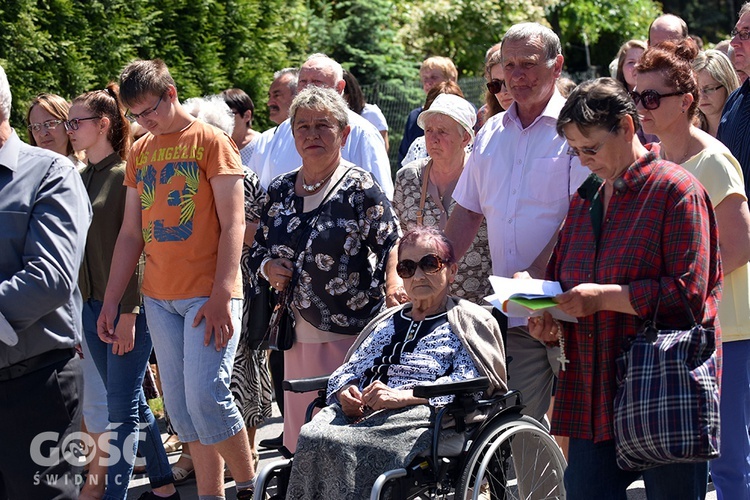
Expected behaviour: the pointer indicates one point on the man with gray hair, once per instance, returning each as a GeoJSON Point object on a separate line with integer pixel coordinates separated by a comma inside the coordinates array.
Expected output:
{"type": "Point", "coordinates": [364, 146]}
{"type": "Point", "coordinates": [520, 178]}
{"type": "Point", "coordinates": [44, 217]}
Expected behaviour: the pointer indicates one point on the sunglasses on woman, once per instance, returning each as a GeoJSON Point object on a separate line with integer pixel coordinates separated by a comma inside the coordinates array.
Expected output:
{"type": "Point", "coordinates": [429, 264]}
{"type": "Point", "coordinates": [496, 86]}
{"type": "Point", "coordinates": [651, 98]}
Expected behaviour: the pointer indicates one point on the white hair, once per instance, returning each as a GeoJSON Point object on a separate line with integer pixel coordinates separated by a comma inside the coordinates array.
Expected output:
{"type": "Point", "coordinates": [5, 96]}
{"type": "Point", "coordinates": [338, 71]}
{"type": "Point", "coordinates": [524, 31]}
{"type": "Point", "coordinates": [213, 110]}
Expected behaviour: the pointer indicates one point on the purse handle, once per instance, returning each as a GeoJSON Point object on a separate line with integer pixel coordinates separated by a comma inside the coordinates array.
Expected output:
{"type": "Point", "coordinates": [423, 195]}
{"type": "Point", "coordinates": [650, 329]}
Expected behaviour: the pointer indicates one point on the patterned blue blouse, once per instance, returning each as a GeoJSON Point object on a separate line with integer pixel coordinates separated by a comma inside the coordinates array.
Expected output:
{"type": "Point", "coordinates": [403, 353]}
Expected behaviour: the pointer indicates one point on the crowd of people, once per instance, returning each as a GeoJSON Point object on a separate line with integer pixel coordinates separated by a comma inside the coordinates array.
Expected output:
{"type": "Point", "coordinates": [141, 229]}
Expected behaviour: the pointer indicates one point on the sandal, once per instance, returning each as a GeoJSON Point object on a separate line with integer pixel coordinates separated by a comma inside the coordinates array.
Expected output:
{"type": "Point", "coordinates": [172, 444]}
{"type": "Point", "coordinates": [179, 474]}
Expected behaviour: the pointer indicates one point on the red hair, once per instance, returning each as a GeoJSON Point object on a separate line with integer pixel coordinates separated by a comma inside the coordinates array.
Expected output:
{"type": "Point", "coordinates": [675, 63]}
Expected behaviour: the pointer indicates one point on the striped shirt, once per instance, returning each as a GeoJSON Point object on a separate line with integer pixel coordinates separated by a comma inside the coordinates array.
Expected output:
{"type": "Point", "coordinates": [734, 128]}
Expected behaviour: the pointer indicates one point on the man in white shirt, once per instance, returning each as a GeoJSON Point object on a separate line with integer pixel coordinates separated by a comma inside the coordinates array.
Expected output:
{"type": "Point", "coordinates": [364, 146]}
{"type": "Point", "coordinates": [520, 178]}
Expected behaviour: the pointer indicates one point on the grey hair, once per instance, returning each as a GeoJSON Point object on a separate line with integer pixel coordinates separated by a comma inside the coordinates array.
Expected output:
{"type": "Point", "coordinates": [338, 70]}
{"type": "Point", "coordinates": [744, 9]}
{"type": "Point", "coordinates": [5, 96]}
{"type": "Point", "coordinates": [321, 99]}
{"type": "Point", "coordinates": [211, 109]}
{"type": "Point", "coordinates": [719, 67]}
{"type": "Point", "coordinates": [524, 31]}
{"type": "Point", "coordinates": [293, 72]}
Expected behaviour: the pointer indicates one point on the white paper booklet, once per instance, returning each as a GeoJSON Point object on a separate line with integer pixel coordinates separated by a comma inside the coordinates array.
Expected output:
{"type": "Point", "coordinates": [524, 298]}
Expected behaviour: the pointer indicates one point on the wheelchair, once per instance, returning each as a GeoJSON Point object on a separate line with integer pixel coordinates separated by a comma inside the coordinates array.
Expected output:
{"type": "Point", "coordinates": [507, 456]}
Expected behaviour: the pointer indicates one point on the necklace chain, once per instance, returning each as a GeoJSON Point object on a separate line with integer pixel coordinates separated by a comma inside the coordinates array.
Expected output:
{"type": "Point", "coordinates": [314, 187]}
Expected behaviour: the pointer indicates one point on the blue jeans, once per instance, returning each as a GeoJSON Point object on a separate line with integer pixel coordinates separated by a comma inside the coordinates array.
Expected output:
{"type": "Point", "coordinates": [123, 379]}
{"type": "Point", "coordinates": [195, 378]}
{"type": "Point", "coordinates": [95, 413]}
{"type": "Point", "coordinates": [593, 473]}
{"type": "Point", "coordinates": [731, 471]}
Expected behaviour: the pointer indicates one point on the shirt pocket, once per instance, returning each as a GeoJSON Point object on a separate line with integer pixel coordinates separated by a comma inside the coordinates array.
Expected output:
{"type": "Point", "coordinates": [548, 179]}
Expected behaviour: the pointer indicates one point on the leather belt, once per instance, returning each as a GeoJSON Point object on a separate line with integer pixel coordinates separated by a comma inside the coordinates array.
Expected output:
{"type": "Point", "coordinates": [35, 363]}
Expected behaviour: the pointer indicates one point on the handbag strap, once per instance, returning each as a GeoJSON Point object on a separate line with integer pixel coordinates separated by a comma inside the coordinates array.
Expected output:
{"type": "Point", "coordinates": [685, 303]}
{"type": "Point", "coordinates": [423, 195]}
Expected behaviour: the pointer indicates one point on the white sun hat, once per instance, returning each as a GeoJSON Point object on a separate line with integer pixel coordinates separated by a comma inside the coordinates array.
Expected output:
{"type": "Point", "coordinates": [455, 107]}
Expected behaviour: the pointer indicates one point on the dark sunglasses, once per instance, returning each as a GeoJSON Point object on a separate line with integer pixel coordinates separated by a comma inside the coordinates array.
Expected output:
{"type": "Point", "coordinates": [429, 264]}
{"type": "Point", "coordinates": [651, 98]}
{"type": "Point", "coordinates": [496, 86]}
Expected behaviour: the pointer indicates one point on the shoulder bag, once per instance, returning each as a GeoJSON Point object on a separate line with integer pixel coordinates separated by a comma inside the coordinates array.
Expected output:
{"type": "Point", "coordinates": [667, 400]}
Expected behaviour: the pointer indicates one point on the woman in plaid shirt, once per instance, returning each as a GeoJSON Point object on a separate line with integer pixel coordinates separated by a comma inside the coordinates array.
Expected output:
{"type": "Point", "coordinates": [639, 227]}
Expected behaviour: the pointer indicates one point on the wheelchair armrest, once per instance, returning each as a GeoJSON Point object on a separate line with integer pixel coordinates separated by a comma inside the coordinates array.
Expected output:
{"type": "Point", "coordinates": [479, 384]}
{"type": "Point", "coordinates": [306, 384]}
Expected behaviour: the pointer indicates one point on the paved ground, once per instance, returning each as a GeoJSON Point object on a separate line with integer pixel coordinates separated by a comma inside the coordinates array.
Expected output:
{"type": "Point", "coordinates": [272, 428]}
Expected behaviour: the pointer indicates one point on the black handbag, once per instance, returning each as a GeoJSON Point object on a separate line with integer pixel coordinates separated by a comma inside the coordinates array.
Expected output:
{"type": "Point", "coordinates": [281, 325]}
{"type": "Point", "coordinates": [667, 400]}
{"type": "Point", "coordinates": [259, 313]}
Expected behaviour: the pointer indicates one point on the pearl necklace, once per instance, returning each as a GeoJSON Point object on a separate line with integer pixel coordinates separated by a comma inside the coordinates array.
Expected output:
{"type": "Point", "coordinates": [311, 188]}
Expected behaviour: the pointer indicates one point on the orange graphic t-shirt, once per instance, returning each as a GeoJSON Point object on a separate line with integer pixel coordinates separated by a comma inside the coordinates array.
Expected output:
{"type": "Point", "coordinates": [178, 214]}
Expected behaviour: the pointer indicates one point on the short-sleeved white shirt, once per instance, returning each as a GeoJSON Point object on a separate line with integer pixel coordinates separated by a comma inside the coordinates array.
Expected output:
{"type": "Point", "coordinates": [372, 113]}
{"type": "Point", "coordinates": [275, 153]}
{"type": "Point", "coordinates": [521, 180]}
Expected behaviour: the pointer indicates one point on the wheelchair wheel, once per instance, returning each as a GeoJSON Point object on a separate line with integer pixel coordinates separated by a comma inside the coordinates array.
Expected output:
{"type": "Point", "coordinates": [513, 458]}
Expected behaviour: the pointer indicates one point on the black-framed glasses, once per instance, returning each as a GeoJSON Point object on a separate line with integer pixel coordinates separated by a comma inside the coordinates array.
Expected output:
{"type": "Point", "coordinates": [591, 151]}
{"type": "Point", "coordinates": [651, 98]}
{"type": "Point", "coordinates": [708, 90]}
{"type": "Point", "coordinates": [48, 125]}
{"type": "Point", "coordinates": [76, 122]}
{"type": "Point", "coordinates": [429, 264]}
{"type": "Point", "coordinates": [133, 117]}
{"type": "Point", "coordinates": [496, 86]}
{"type": "Point", "coordinates": [744, 34]}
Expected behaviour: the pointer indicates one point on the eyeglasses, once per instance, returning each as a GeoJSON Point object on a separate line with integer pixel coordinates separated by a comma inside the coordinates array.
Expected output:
{"type": "Point", "coordinates": [133, 117]}
{"type": "Point", "coordinates": [75, 122]}
{"type": "Point", "coordinates": [429, 264]}
{"type": "Point", "coordinates": [591, 151]}
{"type": "Point", "coordinates": [744, 34]}
{"type": "Point", "coordinates": [651, 98]}
{"type": "Point", "coordinates": [48, 125]}
{"type": "Point", "coordinates": [496, 86]}
{"type": "Point", "coordinates": [708, 90]}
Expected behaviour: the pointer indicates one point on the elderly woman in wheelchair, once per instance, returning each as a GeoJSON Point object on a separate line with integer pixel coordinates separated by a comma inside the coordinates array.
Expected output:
{"type": "Point", "coordinates": [435, 363]}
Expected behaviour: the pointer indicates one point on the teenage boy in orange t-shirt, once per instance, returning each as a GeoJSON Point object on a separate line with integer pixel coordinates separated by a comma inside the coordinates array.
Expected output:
{"type": "Point", "coordinates": [184, 207]}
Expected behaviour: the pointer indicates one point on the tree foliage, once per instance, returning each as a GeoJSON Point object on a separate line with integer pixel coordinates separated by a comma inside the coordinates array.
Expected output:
{"type": "Point", "coordinates": [72, 46]}
{"type": "Point", "coordinates": [360, 35]}
{"type": "Point", "coordinates": [600, 25]}
{"type": "Point", "coordinates": [464, 29]}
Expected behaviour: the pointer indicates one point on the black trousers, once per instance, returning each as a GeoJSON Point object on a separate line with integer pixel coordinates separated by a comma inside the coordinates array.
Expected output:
{"type": "Point", "coordinates": [276, 364]}
{"type": "Point", "coordinates": [40, 416]}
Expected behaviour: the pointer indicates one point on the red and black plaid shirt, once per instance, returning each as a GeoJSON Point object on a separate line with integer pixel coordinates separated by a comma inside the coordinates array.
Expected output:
{"type": "Point", "coordinates": [659, 231]}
